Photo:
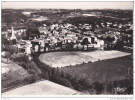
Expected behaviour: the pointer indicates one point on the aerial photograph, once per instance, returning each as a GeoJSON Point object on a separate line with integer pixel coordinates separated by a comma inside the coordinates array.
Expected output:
{"type": "Point", "coordinates": [66, 48]}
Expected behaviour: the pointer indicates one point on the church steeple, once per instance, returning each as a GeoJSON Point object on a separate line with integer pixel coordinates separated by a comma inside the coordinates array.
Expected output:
{"type": "Point", "coordinates": [12, 34]}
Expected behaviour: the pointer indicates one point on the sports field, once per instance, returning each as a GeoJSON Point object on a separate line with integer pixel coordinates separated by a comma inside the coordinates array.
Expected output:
{"type": "Point", "coordinates": [62, 59]}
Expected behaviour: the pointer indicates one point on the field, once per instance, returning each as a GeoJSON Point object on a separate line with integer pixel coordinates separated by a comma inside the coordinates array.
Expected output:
{"type": "Point", "coordinates": [104, 71]}
{"type": "Point", "coordinates": [62, 59]}
{"type": "Point", "coordinates": [40, 88]}
{"type": "Point", "coordinates": [11, 74]}
{"type": "Point", "coordinates": [105, 29]}
{"type": "Point", "coordinates": [14, 71]}
{"type": "Point", "coordinates": [98, 72]}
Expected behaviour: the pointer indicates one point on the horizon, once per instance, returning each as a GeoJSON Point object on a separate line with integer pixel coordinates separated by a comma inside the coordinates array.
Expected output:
{"type": "Point", "coordinates": [60, 9]}
{"type": "Point", "coordinates": [65, 5]}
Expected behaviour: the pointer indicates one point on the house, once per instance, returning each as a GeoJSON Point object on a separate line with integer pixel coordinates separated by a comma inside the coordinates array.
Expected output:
{"type": "Point", "coordinates": [36, 48]}
{"type": "Point", "coordinates": [75, 46]}
{"type": "Point", "coordinates": [108, 24]}
{"type": "Point", "coordinates": [61, 34]}
{"type": "Point", "coordinates": [42, 46]}
{"type": "Point", "coordinates": [90, 47]}
{"type": "Point", "coordinates": [80, 39]}
{"type": "Point", "coordinates": [24, 46]}
{"type": "Point", "coordinates": [120, 26]}
{"type": "Point", "coordinates": [99, 44]}
{"type": "Point", "coordinates": [115, 25]}
{"type": "Point", "coordinates": [89, 39]}
{"type": "Point", "coordinates": [55, 32]}
{"type": "Point", "coordinates": [80, 47]}
{"type": "Point", "coordinates": [74, 40]}
{"type": "Point", "coordinates": [43, 30]}
{"type": "Point", "coordinates": [68, 40]}
{"type": "Point", "coordinates": [97, 25]}
{"type": "Point", "coordinates": [93, 39]}
{"type": "Point", "coordinates": [88, 33]}
{"type": "Point", "coordinates": [28, 48]}
{"type": "Point", "coordinates": [64, 47]}
{"type": "Point", "coordinates": [3, 53]}
{"type": "Point", "coordinates": [36, 44]}
{"type": "Point", "coordinates": [64, 31]}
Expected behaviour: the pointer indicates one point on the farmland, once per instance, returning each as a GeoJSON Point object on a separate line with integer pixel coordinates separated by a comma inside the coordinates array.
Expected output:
{"type": "Point", "coordinates": [75, 48]}
{"type": "Point", "coordinates": [62, 59]}
{"type": "Point", "coordinates": [12, 74]}
{"type": "Point", "coordinates": [106, 70]}
{"type": "Point", "coordinates": [40, 88]}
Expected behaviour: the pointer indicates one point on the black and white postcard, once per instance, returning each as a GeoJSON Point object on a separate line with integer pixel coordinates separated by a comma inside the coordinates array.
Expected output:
{"type": "Point", "coordinates": [66, 48]}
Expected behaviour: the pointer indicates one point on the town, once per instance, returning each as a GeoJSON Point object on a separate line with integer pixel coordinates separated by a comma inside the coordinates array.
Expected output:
{"type": "Point", "coordinates": [27, 34]}
{"type": "Point", "coordinates": [65, 36]}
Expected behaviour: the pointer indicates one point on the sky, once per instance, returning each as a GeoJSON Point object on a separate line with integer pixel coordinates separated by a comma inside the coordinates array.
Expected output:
{"type": "Point", "coordinates": [68, 5]}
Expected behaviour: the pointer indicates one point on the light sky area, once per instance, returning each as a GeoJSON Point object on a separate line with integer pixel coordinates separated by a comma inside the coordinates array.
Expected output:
{"type": "Point", "coordinates": [68, 5]}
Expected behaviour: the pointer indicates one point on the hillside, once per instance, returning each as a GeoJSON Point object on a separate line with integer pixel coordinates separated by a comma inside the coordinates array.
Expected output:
{"type": "Point", "coordinates": [42, 89]}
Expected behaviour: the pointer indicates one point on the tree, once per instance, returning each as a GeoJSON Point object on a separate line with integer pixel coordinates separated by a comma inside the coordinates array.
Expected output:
{"type": "Point", "coordinates": [14, 41]}
{"type": "Point", "coordinates": [66, 82]}
{"type": "Point", "coordinates": [18, 37]}
{"type": "Point", "coordinates": [32, 31]}
{"type": "Point", "coordinates": [93, 28]}
{"type": "Point", "coordinates": [98, 87]}
{"type": "Point", "coordinates": [33, 68]}
{"type": "Point", "coordinates": [4, 40]}
{"type": "Point", "coordinates": [7, 55]}
{"type": "Point", "coordinates": [85, 41]}
{"type": "Point", "coordinates": [119, 45]}
{"type": "Point", "coordinates": [10, 17]}
{"type": "Point", "coordinates": [109, 39]}
{"type": "Point", "coordinates": [13, 56]}
{"type": "Point", "coordinates": [21, 58]}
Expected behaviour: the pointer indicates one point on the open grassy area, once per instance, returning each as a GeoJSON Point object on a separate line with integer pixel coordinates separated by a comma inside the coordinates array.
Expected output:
{"type": "Point", "coordinates": [41, 88]}
{"type": "Point", "coordinates": [106, 70]}
{"type": "Point", "coordinates": [62, 59]}
{"type": "Point", "coordinates": [12, 77]}
{"type": "Point", "coordinates": [18, 73]}
{"type": "Point", "coordinates": [105, 29]}
{"type": "Point", "coordinates": [110, 73]}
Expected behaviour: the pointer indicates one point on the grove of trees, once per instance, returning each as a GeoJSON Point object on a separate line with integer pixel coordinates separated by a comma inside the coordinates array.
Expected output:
{"type": "Point", "coordinates": [81, 83]}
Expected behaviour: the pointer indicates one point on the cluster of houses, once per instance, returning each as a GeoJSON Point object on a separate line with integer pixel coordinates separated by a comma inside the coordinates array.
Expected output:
{"type": "Point", "coordinates": [57, 38]}
{"type": "Point", "coordinates": [62, 37]}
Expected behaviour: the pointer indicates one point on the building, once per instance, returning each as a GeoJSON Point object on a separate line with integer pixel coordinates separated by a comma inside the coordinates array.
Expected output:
{"type": "Point", "coordinates": [99, 44]}
{"type": "Point", "coordinates": [25, 47]}
{"type": "Point", "coordinates": [12, 34]}
{"type": "Point", "coordinates": [43, 30]}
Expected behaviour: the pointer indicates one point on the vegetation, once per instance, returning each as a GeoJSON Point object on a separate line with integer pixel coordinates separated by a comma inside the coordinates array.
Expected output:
{"type": "Point", "coordinates": [32, 31]}
{"type": "Point", "coordinates": [7, 55]}
{"type": "Point", "coordinates": [10, 17]}
{"type": "Point", "coordinates": [33, 72]}
{"type": "Point", "coordinates": [119, 70]}
{"type": "Point", "coordinates": [85, 41]}
{"type": "Point", "coordinates": [113, 76]}
{"type": "Point", "coordinates": [74, 77]}
{"type": "Point", "coordinates": [92, 78]}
